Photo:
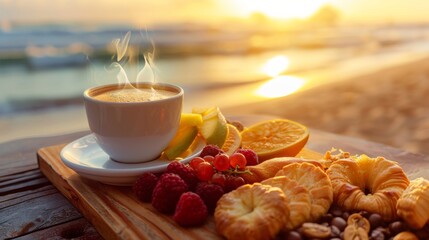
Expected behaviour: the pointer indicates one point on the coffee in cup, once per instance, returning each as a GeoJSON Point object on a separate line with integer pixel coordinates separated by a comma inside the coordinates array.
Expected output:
{"type": "Point", "coordinates": [134, 123]}
{"type": "Point", "coordinates": [134, 95]}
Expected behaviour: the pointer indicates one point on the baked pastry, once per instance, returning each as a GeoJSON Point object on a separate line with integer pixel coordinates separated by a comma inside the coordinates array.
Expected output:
{"type": "Point", "coordinates": [252, 212]}
{"type": "Point", "coordinates": [413, 205]}
{"type": "Point", "coordinates": [369, 184]}
{"type": "Point", "coordinates": [269, 168]}
{"type": "Point", "coordinates": [334, 155]}
{"type": "Point", "coordinates": [299, 200]}
{"type": "Point", "coordinates": [317, 183]}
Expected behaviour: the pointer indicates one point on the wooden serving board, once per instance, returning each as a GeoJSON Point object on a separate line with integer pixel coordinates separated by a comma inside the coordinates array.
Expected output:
{"type": "Point", "coordinates": [114, 211]}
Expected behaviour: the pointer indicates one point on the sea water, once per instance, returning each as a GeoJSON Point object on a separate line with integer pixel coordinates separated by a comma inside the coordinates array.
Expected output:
{"type": "Point", "coordinates": [24, 88]}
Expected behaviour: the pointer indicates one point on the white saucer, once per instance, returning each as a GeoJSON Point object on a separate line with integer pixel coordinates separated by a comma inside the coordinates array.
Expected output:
{"type": "Point", "coordinates": [87, 159]}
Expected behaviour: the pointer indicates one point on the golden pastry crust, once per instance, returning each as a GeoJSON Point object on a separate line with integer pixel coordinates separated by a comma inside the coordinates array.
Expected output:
{"type": "Point", "coordinates": [252, 212]}
{"type": "Point", "coordinates": [317, 183]}
{"type": "Point", "coordinates": [383, 180]}
{"type": "Point", "coordinates": [269, 168]}
{"type": "Point", "coordinates": [413, 205]}
{"type": "Point", "coordinates": [334, 155]}
{"type": "Point", "coordinates": [298, 197]}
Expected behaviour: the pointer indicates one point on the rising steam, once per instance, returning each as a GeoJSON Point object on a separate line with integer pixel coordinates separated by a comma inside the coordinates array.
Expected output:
{"type": "Point", "coordinates": [121, 76]}
{"type": "Point", "coordinates": [122, 46]}
{"type": "Point", "coordinates": [147, 73]}
{"type": "Point", "coordinates": [124, 54]}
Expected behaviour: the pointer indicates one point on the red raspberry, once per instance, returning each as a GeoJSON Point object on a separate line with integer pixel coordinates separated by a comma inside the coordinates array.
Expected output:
{"type": "Point", "coordinates": [211, 150]}
{"type": "Point", "coordinates": [144, 185]}
{"type": "Point", "coordinates": [190, 210]}
{"type": "Point", "coordinates": [251, 156]}
{"type": "Point", "coordinates": [210, 193]}
{"type": "Point", "coordinates": [167, 192]}
{"type": "Point", "coordinates": [185, 172]}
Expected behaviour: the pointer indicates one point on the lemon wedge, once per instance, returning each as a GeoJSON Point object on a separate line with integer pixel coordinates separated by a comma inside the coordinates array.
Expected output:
{"type": "Point", "coordinates": [233, 140]}
{"type": "Point", "coordinates": [191, 119]}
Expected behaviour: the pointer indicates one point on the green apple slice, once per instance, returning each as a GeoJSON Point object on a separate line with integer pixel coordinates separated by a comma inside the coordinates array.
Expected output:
{"type": "Point", "coordinates": [214, 128]}
{"type": "Point", "coordinates": [181, 142]}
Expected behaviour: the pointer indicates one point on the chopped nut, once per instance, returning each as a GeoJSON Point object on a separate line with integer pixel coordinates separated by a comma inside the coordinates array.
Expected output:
{"type": "Point", "coordinates": [314, 230]}
{"type": "Point", "coordinates": [359, 222]}
{"type": "Point", "coordinates": [352, 232]}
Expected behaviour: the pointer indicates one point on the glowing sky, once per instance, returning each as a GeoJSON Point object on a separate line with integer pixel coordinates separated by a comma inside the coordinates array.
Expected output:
{"type": "Point", "coordinates": [163, 11]}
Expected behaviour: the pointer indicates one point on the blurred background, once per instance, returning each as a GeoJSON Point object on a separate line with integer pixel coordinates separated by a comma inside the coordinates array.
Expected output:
{"type": "Point", "coordinates": [353, 67]}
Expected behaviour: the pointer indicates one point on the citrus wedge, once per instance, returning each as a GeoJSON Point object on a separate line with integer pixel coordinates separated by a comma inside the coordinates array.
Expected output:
{"type": "Point", "coordinates": [214, 128]}
{"type": "Point", "coordinates": [185, 136]}
{"type": "Point", "coordinates": [191, 119]}
{"type": "Point", "coordinates": [275, 138]}
{"type": "Point", "coordinates": [233, 140]}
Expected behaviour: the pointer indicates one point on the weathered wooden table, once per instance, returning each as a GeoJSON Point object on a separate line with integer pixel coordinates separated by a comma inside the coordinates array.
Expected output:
{"type": "Point", "coordinates": [32, 208]}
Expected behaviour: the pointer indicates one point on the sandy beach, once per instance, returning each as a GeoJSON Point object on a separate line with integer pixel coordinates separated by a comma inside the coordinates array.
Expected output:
{"type": "Point", "coordinates": [390, 106]}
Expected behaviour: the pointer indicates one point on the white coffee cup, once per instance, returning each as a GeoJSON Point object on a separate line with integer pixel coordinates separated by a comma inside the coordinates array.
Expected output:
{"type": "Point", "coordinates": [132, 131]}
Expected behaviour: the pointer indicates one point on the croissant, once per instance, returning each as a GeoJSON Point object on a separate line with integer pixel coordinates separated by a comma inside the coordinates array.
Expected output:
{"type": "Point", "coordinates": [252, 212]}
{"type": "Point", "coordinates": [413, 205]}
{"type": "Point", "coordinates": [369, 184]}
{"type": "Point", "coordinates": [299, 200]}
{"type": "Point", "coordinates": [269, 168]}
{"type": "Point", "coordinates": [316, 181]}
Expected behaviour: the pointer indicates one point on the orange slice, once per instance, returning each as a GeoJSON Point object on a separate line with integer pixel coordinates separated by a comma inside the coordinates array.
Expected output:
{"type": "Point", "coordinates": [275, 138]}
{"type": "Point", "coordinates": [233, 140]}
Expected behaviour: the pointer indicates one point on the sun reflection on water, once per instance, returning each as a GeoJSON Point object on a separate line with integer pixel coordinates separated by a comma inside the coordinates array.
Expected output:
{"type": "Point", "coordinates": [280, 86]}
{"type": "Point", "coordinates": [276, 65]}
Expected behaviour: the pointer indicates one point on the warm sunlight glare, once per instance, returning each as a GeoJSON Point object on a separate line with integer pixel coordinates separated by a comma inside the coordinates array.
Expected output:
{"type": "Point", "coordinates": [275, 66]}
{"type": "Point", "coordinates": [282, 9]}
{"type": "Point", "coordinates": [280, 86]}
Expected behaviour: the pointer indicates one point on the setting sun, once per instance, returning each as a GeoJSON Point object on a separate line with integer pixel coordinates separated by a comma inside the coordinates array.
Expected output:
{"type": "Point", "coordinates": [281, 9]}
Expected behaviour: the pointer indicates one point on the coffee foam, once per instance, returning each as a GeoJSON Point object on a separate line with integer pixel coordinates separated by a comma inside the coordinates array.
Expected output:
{"type": "Point", "coordinates": [134, 95]}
